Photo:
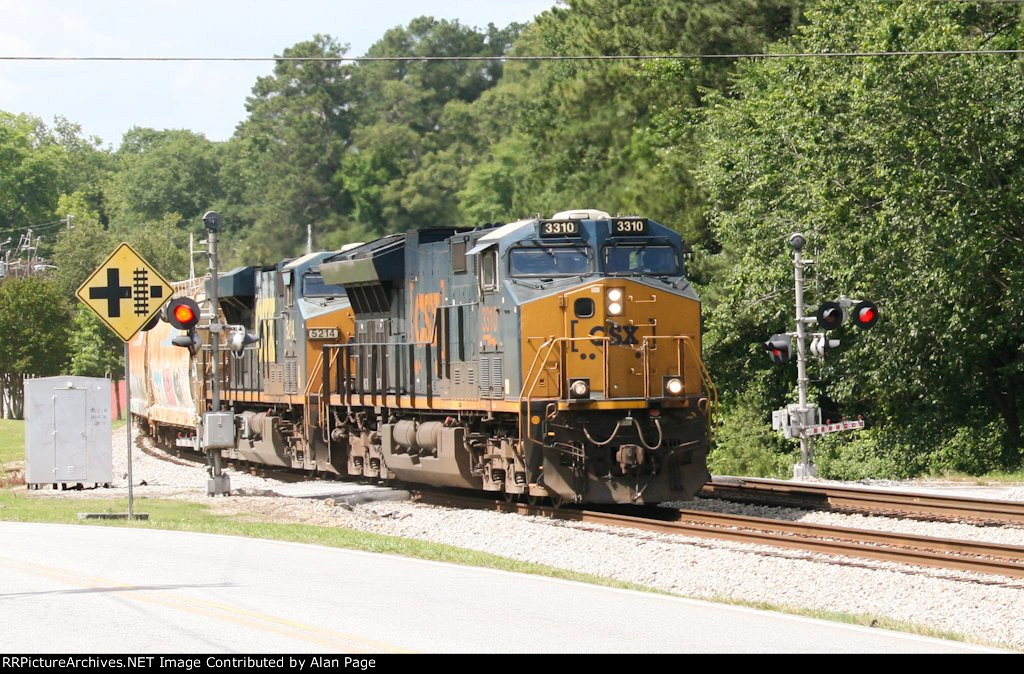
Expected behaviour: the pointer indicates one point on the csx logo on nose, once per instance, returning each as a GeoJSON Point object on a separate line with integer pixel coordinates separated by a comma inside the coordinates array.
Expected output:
{"type": "Point", "coordinates": [620, 335]}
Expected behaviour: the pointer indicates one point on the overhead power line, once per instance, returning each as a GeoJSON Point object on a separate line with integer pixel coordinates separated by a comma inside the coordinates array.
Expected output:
{"type": "Point", "coordinates": [545, 57]}
{"type": "Point", "coordinates": [41, 226]}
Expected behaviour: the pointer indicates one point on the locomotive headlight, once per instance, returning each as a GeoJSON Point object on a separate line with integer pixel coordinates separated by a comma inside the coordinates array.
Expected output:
{"type": "Point", "coordinates": [579, 388]}
{"type": "Point", "coordinates": [614, 304]}
{"type": "Point", "coordinates": [673, 386]}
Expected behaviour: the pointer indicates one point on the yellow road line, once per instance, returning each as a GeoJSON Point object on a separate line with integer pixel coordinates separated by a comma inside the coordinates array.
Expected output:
{"type": "Point", "coordinates": [218, 611]}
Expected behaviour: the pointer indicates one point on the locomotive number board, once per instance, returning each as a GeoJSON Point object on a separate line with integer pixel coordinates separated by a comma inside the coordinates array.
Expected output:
{"type": "Point", "coordinates": [323, 333]}
{"type": "Point", "coordinates": [635, 227]}
{"type": "Point", "coordinates": [560, 228]}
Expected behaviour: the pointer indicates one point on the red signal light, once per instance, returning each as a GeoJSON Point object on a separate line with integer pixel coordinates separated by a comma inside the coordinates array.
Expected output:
{"type": "Point", "coordinates": [184, 313]}
{"type": "Point", "coordinates": [865, 314]}
{"type": "Point", "coordinates": [778, 348]}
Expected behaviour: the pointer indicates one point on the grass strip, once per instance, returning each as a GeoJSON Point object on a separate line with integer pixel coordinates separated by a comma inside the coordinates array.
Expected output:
{"type": "Point", "coordinates": [186, 516]}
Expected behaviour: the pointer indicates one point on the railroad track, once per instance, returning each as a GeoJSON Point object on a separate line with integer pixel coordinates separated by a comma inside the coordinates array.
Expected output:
{"type": "Point", "coordinates": [976, 556]}
{"type": "Point", "coordinates": [854, 499]}
{"type": "Point", "coordinates": [980, 557]}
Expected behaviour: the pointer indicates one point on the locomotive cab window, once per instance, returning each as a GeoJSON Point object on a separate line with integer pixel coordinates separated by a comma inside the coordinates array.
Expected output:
{"type": "Point", "coordinates": [550, 261]}
{"type": "Point", "coordinates": [641, 259]}
{"type": "Point", "coordinates": [459, 257]}
{"type": "Point", "coordinates": [313, 286]}
{"type": "Point", "coordinates": [289, 291]}
{"type": "Point", "coordinates": [489, 271]}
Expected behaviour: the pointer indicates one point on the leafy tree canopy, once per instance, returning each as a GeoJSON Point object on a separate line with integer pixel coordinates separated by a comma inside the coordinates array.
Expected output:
{"type": "Point", "coordinates": [907, 176]}
{"type": "Point", "coordinates": [586, 127]}
{"type": "Point", "coordinates": [34, 317]}
{"type": "Point", "coordinates": [164, 172]}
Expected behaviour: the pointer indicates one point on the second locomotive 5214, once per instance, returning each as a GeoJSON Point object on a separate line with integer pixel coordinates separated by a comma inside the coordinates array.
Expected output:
{"type": "Point", "coordinates": [546, 358]}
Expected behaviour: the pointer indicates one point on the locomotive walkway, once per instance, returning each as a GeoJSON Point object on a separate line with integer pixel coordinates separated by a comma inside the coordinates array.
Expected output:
{"type": "Point", "coordinates": [145, 591]}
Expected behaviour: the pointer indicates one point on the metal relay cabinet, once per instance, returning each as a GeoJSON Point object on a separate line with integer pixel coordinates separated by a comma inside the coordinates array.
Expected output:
{"type": "Point", "coordinates": [67, 431]}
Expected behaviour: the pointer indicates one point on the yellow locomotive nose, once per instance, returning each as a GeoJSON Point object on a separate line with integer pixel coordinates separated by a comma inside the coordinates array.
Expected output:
{"type": "Point", "coordinates": [625, 338]}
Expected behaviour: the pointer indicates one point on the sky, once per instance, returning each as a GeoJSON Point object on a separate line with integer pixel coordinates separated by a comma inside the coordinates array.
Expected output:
{"type": "Point", "coordinates": [107, 99]}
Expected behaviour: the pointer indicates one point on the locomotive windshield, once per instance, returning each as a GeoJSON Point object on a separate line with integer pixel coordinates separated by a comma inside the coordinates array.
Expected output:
{"type": "Point", "coordinates": [550, 261]}
{"type": "Point", "coordinates": [313, 286]}
{"type": "Point", "coordinates": [641, 258]}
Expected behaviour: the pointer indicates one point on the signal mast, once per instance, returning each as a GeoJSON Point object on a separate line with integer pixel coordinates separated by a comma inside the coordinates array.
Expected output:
{"type": "Point", "coordinates": [802, 421]}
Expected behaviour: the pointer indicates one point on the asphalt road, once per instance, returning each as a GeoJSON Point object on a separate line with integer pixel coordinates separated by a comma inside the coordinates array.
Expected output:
{"type": "Point", "coordinates": [87, 589]}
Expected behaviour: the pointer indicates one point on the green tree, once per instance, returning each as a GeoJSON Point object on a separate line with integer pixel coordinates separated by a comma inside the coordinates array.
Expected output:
{"type": "Point", "coordinates": [907, 174]}
{"type": "Point", "coordinates": [96, 351]}
{"type": "Point", "coordinates": [412, 143]}
{"type": "Point", "coordinates": [163, 246]}
{"type": "Point", "coordinates": [164, 172]}
{"type": "Point", "coordinates": [80, 250]}
{"type": "Point", "coordinates": [29, 173]}
{"type": "Point", "coordinates": [281, 169]}
{"type": "Point", "coordinates": [85, 166]}
{"type": "Point", "coordinates": [34, 317]}
{"type": "Point", "coordinates": [37, 165]}
{"type": "Point", "coordinates": [617, 135]}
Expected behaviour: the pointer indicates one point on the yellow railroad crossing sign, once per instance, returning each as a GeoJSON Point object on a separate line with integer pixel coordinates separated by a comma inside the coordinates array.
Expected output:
{"type": "Point", "coordinates": [126, 292]}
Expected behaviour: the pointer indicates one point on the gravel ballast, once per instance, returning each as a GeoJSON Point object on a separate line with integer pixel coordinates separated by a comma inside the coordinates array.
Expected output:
{"type": "Point", "coordinates": [982, 608]}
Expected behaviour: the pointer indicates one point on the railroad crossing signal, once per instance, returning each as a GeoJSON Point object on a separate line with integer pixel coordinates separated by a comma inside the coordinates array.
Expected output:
{"type": "Point", "coordinates": [865, 314]}
{"type": "Point", "coordinates": [829, 315]}
{"type": "Point", "coordinates": [183, 313]}
{"type": "Point", "coordinates": [125, 292]}
{"type": "Point", "coordinates": [801, 421]}
{"type": "Point", "coordinates": [821, 344]}
{"type": "Point", "coordinates": [779, 348]}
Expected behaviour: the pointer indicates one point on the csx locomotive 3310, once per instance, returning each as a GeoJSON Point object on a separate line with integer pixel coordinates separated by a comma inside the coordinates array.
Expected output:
{"type": "Point", "coordinates": [546, 358]}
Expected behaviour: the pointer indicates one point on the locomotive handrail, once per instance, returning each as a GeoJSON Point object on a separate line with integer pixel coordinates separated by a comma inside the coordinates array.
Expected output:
{"type": "Point", "coordinates": [708, 384]}
{"type": "Point", "coordinates": [547, 341]}
{"type": "Point", "coordinates": [647, 356]}
{"type": "Point", "coordinates": [550, 342]}
{"type": "Point", "coordinates": [344, 375]}
{"type": "Point", "coordinates": [310, 379]}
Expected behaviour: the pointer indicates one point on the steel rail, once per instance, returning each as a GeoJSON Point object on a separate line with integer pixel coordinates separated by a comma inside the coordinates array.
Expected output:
{"type": "Point", "coordinates": [974, 556]}
{"type": "Point", "coordinates": [856, 499]}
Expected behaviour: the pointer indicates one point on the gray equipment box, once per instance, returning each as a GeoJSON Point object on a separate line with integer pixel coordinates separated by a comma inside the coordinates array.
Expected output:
{"type": "Point", "coordinates": [67, 431]}
{"type": "Point", "coordinates": [218, 430]}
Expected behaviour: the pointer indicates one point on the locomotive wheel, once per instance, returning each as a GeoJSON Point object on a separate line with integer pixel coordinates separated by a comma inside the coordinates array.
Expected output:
{"type": "Point", "coordinates": [557, 502]}
{"type": "Point", "coordinates": [511, 497]}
